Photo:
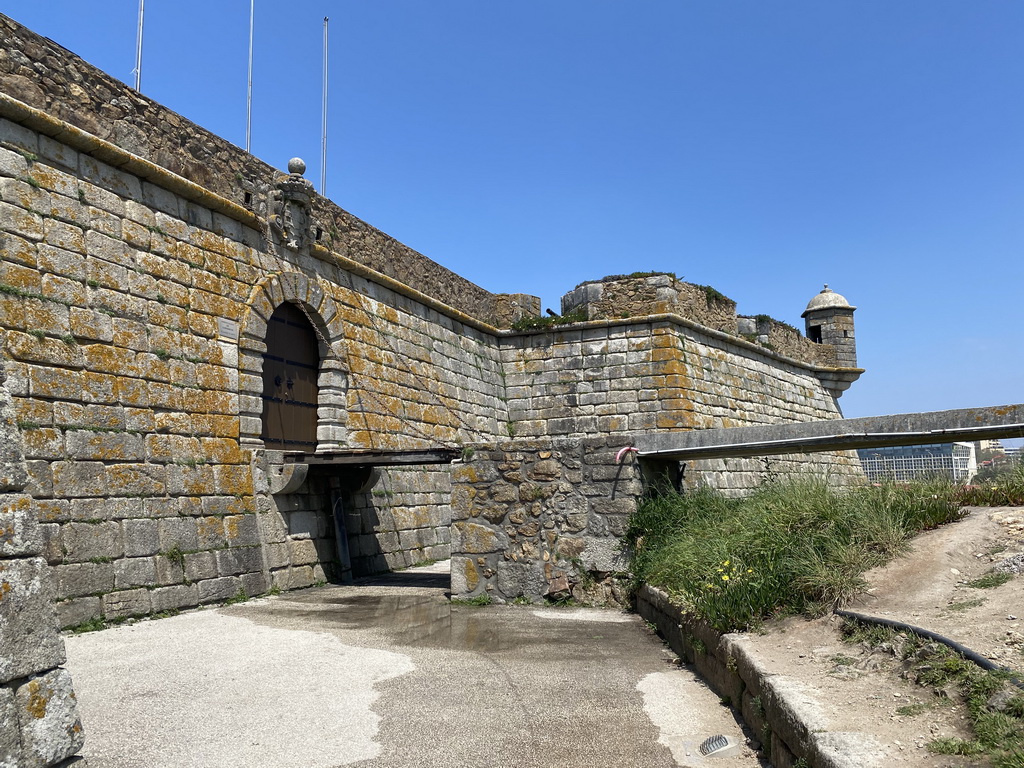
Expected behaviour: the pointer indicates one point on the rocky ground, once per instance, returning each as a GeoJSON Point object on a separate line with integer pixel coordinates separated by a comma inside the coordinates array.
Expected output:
{"type": "Point", "coordinates": [866, 691]}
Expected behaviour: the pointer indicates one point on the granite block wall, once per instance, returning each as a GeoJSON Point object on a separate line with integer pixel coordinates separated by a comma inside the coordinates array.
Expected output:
{"type": "Point", "coordinates": [403, 520]}
{"type": "Point", "coordinates": [39, 723]}
{"type": "Point", "coordinates": [635, 376]}
{"type": "Point", "coordinates": [133, 321]}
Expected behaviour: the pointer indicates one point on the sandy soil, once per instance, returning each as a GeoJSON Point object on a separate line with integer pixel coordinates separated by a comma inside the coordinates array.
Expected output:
{"type": "Point", "coordinates": [863, 691]}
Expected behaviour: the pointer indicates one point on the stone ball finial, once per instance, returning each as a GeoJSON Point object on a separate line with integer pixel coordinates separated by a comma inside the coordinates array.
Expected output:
{"type": "Point", "coordinates": [297, 166]}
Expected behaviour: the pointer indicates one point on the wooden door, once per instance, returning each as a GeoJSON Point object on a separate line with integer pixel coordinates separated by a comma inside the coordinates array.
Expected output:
{"type": "Point", "coordinates": [290, 367]}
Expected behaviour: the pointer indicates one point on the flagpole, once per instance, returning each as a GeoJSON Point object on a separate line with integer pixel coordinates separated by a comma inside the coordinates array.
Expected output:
{"type": "Point", "coordinates": [323, 146]}
{"type": "Point", "coordinates": [138, 48]}
{"type": "Point", "coordinates": [248, 98]}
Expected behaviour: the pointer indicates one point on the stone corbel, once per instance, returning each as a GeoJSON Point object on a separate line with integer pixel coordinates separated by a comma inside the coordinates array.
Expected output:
{"type": "Point", "coordinates": [838, 380]}
{"type": "Point", "coordinates": [287, 478]}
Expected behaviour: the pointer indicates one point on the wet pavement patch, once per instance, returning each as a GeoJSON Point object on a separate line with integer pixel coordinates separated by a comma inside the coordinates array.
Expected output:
{"type": "Point", "coordinates": [432, 621]}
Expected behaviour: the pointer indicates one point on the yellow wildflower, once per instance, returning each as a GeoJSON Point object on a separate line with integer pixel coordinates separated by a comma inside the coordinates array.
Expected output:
{"type": "Point", "coordinates": [725, 578]}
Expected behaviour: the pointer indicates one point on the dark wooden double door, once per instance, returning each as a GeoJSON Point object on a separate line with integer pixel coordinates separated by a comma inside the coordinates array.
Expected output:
{"type": "Point", "coordinates": [290, 367]}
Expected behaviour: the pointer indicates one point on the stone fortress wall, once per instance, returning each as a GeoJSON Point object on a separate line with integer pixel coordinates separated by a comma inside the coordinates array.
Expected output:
{"type": "Point", "coordinates": [39, 723]}
{"type": "Point", "coordinates": [142, 260]}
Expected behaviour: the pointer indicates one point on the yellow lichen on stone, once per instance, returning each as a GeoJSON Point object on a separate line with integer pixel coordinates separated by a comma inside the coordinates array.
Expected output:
{"type": "Point", "coordinates": [472, 577]}
{"type": "Point", "coordinates": [38, 698]}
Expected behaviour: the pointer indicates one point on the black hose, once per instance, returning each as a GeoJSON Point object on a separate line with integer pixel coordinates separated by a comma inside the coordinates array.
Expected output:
{"type": "Point", "coordinates": [964, 651]}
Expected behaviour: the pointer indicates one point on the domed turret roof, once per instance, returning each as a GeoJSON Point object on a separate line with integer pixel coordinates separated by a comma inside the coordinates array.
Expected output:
{"type": "Point", "coordinates": [827, 299]}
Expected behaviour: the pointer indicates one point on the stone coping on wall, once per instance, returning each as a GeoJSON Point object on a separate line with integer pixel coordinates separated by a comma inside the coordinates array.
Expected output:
{"type": "Point", "coordinates": [38, 120]}
{"type": "Point", "coordinates": [779, 710]}
{"type": "Point", "coordinates": [23, 114]}
{"type": "Point", "coordinates": [111, 121]}
{"type": "Point", "coordinates": [691, 324]}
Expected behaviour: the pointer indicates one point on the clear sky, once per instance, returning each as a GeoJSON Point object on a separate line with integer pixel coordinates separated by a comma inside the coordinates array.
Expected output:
{"type": "Point", "coordinates": [764, 148]}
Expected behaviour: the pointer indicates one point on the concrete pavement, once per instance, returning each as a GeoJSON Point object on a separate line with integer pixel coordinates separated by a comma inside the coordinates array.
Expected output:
{"type": "Point", "coordinates": [390, 674]}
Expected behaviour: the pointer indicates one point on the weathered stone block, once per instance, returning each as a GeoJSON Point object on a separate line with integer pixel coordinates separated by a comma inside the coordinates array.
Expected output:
{"type": "Point", "coordinates": [29, 641]}
{"type": "Point", "coordinates": [92, 541]}
{"type": "Point", "coordinates": [134, 572]}
{"type": "Point", "coordinates": [277, 555]}
{"type": "Point", "coordinates": [104, 446]}
{"type": "Point", "coordinates": [43, 443]}
{"type": "Point", "coordinates": [161, 508]}
{"type": "Point", "coordinates": [214, 590]}
{"type": "Point", "coordinates": [516, 579]}
{"type": "Point", "coordinates": [438, 552]}
{"type": "Point", "coordinates": [81, 579]}
{"type": "Point", "coordinates": [51, 730]}
{"type": "Point", "coordinates": [200, 565]}
{"type": "Point", "coordinates": [131, 602]}
{"type": "Point", "coordinates": [210, 532]}
{"type": "Point", "coordinates": [53, 546]}
{"type": "Point", "coordinates": [302, 552]}
{"type": "Point", "coordinates": [78, 479]}
{"type": "Point", "coordinates": [465, 576]}
{"type": "Point", "coordinates": [177, 533]}
{"type": "Point", "coordinates": [169, 570]}
{"type": "Point", "coordinates": [141, 537]}
{"type": "Point", "coordinates": [55, 383]}
{"type": "Point", "coordinates": [473, 538]}
{"type": "Point", "coordinates": [409, 539]}
{"type": "Point", "coordinates": [10, 730]}
{"type": "Point", "coordinates": [227, 563]}
{"type": "Point", "coordinates": [135, 479]}
{"type": "Point", "coordinates": [222, 505]}
{"type": "Point", "coordinates": [19, 531]}
{"type": "Point", "coordinates": [86, 510]}
{"type": "Point", "coordinates": [255, 583]}
{"type": "Point", "coordinates": [71, 613]}
{"type": "Point", "coordinates": [174, 598]}
{"type": "Point", "coordinates": [53, 510]}
{"type": "Point", "coordinates": [301, 577]}
{"type": "Point", "coordinates": [241, 530]}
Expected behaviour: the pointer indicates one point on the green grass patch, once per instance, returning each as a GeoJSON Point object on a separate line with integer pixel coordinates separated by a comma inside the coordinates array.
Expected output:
{"type": "Point", "coordinates": [998, 730]}
{"type": "Point", "coordinates": [793, 546]}
{"type": "Point", "coordinates": [991, 580]}
{"type": "Point", "coordinates": [1003, 490]}
{"type": "Point", "coordinates": [478, 601]}
{"type": "Point", "coordinates": [92, 625]}
{"type": "Point", "coordinates": [964, 605]}
{"type": "Point", "coordinates": [912, 710]}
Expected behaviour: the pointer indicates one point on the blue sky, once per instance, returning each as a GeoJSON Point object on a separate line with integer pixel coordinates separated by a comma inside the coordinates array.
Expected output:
{"type": "Point", "coordinates": [764, 148]}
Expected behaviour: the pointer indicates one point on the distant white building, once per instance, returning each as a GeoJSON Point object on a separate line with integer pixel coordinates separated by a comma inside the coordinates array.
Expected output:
{"type": "Point", "coordinates": [956, 461]}
{"type": "Point", "coordinates": [995, 446]}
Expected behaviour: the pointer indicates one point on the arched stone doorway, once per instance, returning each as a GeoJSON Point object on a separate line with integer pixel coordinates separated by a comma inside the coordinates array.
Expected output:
{"type": "Point", "coordinates": [300, 296]}
{"type": "Point", "coordinates": [291, 366]}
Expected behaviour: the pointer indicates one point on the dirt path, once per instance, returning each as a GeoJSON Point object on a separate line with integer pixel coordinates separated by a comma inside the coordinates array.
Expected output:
{"type": "Point", "coordinates": [862, 691]}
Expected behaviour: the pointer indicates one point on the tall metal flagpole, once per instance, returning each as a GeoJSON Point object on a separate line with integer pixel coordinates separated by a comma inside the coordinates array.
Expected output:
{"type": "Point", "coordinates": [248, 97]}
{"type": "Point", "coordinates": [323, 145]}
{"type": "Point", "coordinates": [138, 48]}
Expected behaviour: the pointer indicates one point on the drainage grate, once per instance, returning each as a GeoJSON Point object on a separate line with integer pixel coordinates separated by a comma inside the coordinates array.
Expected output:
{"type": "Point", "coordinates": [718, 746]}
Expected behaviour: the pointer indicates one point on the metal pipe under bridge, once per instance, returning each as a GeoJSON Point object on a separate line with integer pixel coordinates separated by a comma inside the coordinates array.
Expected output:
{"type": "Point", "coordinates": [966, 424]}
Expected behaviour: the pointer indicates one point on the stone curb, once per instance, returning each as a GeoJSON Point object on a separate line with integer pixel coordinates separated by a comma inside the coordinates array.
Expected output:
{"type": "Point", "coordinates": [781, 711]}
